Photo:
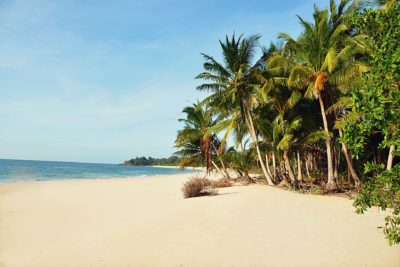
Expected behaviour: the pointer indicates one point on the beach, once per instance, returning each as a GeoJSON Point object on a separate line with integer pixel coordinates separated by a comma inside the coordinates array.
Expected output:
{"type": "Point", "coordinates": [146, 222]}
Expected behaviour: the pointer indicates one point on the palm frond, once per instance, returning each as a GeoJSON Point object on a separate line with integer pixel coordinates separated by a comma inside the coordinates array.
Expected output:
{"type": "Point", "coordinates": [300, 76]}
{"type": "Point", "coordinates": [330, 60]}
{"type": "Point", "coordinates": [343, 102]}
{"type": "Point", "coordinates": [314, 137]}
{"type": "Point", "coordinates": [294, 98]}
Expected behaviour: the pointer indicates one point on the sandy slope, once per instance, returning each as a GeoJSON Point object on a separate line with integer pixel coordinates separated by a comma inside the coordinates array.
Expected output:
{"type": "Point", "coordinates": [145, 222]}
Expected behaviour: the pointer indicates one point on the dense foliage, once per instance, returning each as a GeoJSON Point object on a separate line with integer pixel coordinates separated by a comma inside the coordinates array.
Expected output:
{"type": "Point", "coordinates": [143, 161]}
{"type": "Point", "coordinates": [376, 105]}
{"type": "Point", "coordinates": [383, 190]}
{"type": "Point", "coordinates": [320, 110]}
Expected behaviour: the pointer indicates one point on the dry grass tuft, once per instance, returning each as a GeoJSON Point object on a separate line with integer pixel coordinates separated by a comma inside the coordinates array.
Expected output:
{"type": "Point", "coordinates": [197, 187]}
{"type": "Point", "coordinates": [244, 181]}
{"type": "Point", "coordinates": [221, 183]}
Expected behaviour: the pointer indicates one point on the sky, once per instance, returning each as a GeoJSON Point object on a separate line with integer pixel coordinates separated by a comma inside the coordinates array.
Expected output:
{"type": "Point", "coordinates": [105, 81]}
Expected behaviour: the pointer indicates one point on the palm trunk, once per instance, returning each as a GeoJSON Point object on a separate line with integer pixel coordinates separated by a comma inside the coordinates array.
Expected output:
{"type": "Point", "coordinates": [267, 164]}
{"type": "Point", "coordinates": [299, 172]}
{"type": "Point", "coordinates": [314, 162]}
{"type": "Point", "coordinates": [289, 167]}
{"type": "Point", "coordinates": [247, 176]}
{"type": "Point", "coordinates": [241, 147]}
{"type": "Point", "coordinates": [218, 169]}
{"type": "Point", "coordinates": [209, 162]}
{"type": "Point", "coordinates": [225, 170]}
{"type": "Point", "coordinates": [222, 163]}
{"type": "Point", "coordinates": [357, 181]}
{"type": "Point", "coordinates": [349, 179]}
{"type": "Point", "coordinates": [332, 182]}
{"type": "Point", "coordinates": [336, 154]}
{"type": "Point", "coordinates": [252, 131]}
{"type": "Point", "coordinates": [308, 165]}
{"type": "Point", "coordinates": [284, 181]}
{"type": "Point", "coordinates": [274, 164]}
{"type": "Point", "coordinates": [390, 157]}
{"type": "Point", "coordinates": [208, 156]}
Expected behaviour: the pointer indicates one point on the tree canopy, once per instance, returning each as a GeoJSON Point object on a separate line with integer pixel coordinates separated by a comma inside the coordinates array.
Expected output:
{"type": "Point", "coordinates": [318, 110]}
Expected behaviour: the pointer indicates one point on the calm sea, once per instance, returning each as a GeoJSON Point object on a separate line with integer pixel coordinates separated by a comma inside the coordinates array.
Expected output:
{"type": "Point", "coordinates": [30, 170]}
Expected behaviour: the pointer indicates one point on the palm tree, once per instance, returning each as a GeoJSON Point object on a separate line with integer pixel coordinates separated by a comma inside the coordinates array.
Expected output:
{"type": "Point", "coordinates": [241, 161]}
{"type": "Point", "coordinates": [233, 82]}
{"type": "Point", "coordinates": [322, 62]}
{"type": "Point", "coordinates": [286, 131]}
{"type": "Point", "coordinates": [195, 142]}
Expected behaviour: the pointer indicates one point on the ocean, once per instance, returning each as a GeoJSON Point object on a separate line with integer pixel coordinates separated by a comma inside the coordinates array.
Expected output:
{"type": "Point", "coordinates": [32, 170]}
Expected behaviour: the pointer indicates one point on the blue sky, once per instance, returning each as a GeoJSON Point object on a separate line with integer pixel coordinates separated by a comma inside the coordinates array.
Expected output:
{"type": "Point", "coordinates": [104, 81]}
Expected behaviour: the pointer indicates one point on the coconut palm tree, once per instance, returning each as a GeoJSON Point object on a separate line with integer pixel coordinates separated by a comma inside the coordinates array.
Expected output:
{"type": "Point", "coordinates": [195, 142]}
{"type": "Point", "coordinates": [322, 62]}
{"type": "Point", "coordinates": [241, 161]}
{"type": "Point", "coordinates": [233, 82]}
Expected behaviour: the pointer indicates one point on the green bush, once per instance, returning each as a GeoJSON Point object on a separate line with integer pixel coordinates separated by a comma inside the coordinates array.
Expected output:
{"type": "Point", "coordinates": [382, 190]}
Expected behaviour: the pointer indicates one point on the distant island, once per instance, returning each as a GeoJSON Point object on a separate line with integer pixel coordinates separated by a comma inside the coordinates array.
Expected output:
{"type": "Point", "coordinates": [143, 161]}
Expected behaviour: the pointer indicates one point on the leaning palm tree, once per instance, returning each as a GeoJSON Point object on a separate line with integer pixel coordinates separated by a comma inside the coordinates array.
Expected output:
{"type": "Point", "coordinates": [233, 82]}
{"type": "Point", "coordinates": [322, 62]}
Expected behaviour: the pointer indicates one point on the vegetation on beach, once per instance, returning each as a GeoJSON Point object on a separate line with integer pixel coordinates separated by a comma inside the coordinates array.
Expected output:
{"type": "Point", "coordinates": [378, 122]}
{"type": "Point", "coordinates": [318, 111]}
{"type": "Point", "coordinates": [197, 187]}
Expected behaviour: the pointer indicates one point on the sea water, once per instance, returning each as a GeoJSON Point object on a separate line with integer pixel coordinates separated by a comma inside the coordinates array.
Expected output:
{"type": "Point", "coordinates": [32, 170]}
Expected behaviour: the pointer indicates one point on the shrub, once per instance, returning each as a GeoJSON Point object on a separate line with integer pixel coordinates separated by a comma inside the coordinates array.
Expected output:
{"type": "Point", "coordinates": [221, 183]}
{"type": "Point", "coordinates": [382, 190]}
{"type": "Point", "coordinates": [197, 187]}
{"type": "Point", "coordinates": [316, 190]}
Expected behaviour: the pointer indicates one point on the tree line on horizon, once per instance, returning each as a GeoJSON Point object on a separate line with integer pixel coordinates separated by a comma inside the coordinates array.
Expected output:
{"type": "Point", "coordinates": [150, 161]}
{"type": "Point", "coordinates": [322, 109]}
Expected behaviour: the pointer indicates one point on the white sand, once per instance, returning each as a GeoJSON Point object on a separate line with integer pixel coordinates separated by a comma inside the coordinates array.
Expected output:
{"type": "Point", "coordinates": [146, 222]}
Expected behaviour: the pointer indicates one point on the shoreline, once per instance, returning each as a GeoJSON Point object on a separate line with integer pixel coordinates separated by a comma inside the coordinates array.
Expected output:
{"type": "Point", "coordinates": [146, 222]}
{"type": "Point", "coordinates": [113, 178]}
{"type": "Point", "coordinates": [194, 170]}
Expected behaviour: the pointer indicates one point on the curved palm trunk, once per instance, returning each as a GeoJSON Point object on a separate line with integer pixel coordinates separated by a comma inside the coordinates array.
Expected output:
{"type": "Point", "coordinates": [289, 167]}
{"type": "Point", "coordinates": [225, 170]}
{"type": "Point", "coordinates": [216, 166]}
{"type": "Point", "coordinates": [332, 182]}
{"type": "Point", "coordinates": [267, 164]}
{"type": "Point", "coordinates": [252, 131]}
{"type": "Point", "coordinates": [350, 168]}
{"type": "Point", "coordinates": [352, 171]}
{"type": "Point", "coordinates": [225, 173]}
